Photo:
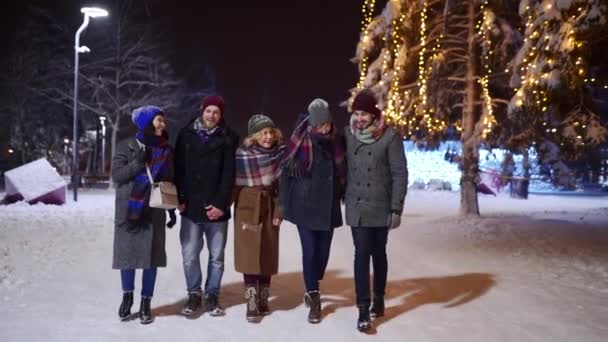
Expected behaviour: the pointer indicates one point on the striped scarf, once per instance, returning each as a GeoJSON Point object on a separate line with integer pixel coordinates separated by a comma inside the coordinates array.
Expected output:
{"type": "Point", "coordinates": [160, 151]}
{"type": "Point", "coordinates": [371, 134]}
{"type": "Point", "coordinates": [204, 133]}
{"type": "Point", "coordinates": [257, 166]}
{"type": "Point", "coordinates": [299, 153]}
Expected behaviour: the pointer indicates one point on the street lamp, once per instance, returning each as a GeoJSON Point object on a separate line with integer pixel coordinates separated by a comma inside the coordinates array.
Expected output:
{"type": "Point", "coordinates": [103, 144]}
{"type": "Point", "coordinates": [89, 12]}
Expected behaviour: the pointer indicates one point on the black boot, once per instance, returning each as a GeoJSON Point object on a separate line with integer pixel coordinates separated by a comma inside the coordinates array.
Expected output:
{"type": "Point", "coordinates": [125, 307]}
{"type": "Point", "coordinates": [263, 295]}
{"type": "Point", "coordinates": [252, 314]}
{"type": "Point", "coordinates": [377, 309]}
{"type": "Point", "coordinates": [364, 323]}
{"type": "Point", "coordinates": [145, 316]}
{"type": "Point", "coordinates": [193, 304]}
{"type": "Point", "coordinates": [312, 299]}
{"type": "Point", "coordinates": [212, 305]}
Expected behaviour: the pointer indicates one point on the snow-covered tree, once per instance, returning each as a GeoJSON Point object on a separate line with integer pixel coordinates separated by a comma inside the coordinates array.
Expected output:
{"type": "Point", "coordinates": [439, 64]}
{"type": "Point", "coordinates": [552, 75]}
{"type": "Point", "coordinates": [127, 68]}
{"type": "Point", "coordinates": [35, 127]}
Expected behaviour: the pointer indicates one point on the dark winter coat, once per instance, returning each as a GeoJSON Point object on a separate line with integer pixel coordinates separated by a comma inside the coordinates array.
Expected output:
{"type": "Point", "coordinates": [142, 246]}
{"type": "Point", "coordinates": [313, 199]}
{"type": "Point", "coordinates": [377, 179]}
{"type": "Point", "coordinates": [204, 173]}
{"type": "Point", "coordinates": [256, 240]}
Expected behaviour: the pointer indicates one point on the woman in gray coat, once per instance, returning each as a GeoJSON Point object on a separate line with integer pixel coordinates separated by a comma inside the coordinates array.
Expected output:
{"type": "Point", "coordinates": [139, 231]}
{"type": "Point", "coordinates": [375, 192]}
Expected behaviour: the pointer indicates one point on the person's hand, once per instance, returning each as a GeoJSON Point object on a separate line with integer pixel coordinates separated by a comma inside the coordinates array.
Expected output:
{"type": "Point", "coordinates": [276, 222]}
{"type": "Point", "coordinates": [181, 208]}
{"type": "Point", "coordinates": [172, 219]}
{"type": "Point", "coordinates": [213, 213]}
{"type": "Point", "coordinates": [394, 221]}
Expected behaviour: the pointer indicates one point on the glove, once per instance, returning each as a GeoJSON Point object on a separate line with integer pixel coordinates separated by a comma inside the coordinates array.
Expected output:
{"type": "Point", "coordinates": [394, 221]}
{"type": "Point", "coordinates": [172, 219]}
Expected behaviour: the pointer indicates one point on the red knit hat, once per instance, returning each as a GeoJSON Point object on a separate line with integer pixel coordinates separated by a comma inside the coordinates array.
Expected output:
{"type": "Point", "coordinates": [213, 100]}
{"type": "Point", "coordinates": [366, 101]}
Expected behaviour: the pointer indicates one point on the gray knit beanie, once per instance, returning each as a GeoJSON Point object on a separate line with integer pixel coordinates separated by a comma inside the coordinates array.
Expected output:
{"type": "Point", "coordinates": [257, 123]}
{"type": "Point", "coordinates": [319, 112]}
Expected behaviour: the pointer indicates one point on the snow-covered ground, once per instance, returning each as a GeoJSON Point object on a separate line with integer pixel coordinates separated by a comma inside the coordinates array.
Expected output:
{"type": "Point", "coordinates": [528, 270]}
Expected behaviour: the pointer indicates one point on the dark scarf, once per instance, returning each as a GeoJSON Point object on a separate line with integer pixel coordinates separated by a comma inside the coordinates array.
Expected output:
{"type": "Point", "coordinates": [258, 166]}
{"type": "Point", "coordinates": [159, 150]}
{"type": "Point", "coordinates": [299, 153]}
{"type": "Point", "coordinates": [204, 133]}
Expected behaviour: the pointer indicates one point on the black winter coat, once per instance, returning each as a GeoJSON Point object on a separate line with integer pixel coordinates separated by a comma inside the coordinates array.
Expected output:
{"type": "Point", "coordinates": [313, 200]}
{"type": "Point", "coordinates": [204, 173]}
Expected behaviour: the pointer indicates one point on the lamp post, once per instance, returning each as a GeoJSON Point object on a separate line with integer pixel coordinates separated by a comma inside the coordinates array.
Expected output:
{"type": "Point", "coordinates": [103, 144]}
{"type": "Point", "coordinates": [89, 12]}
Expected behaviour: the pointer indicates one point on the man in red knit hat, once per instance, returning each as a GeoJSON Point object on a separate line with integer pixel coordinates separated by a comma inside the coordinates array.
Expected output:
{"type": "Point", "coordinates": [204, 175]}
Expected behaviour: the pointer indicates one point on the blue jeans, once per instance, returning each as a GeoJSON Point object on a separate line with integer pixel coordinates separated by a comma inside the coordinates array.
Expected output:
{"type": "Point", "coordinates": [370, 242]}
{"type": "Point", "coordinates": [192, 237]}
{"type": "Point", "coordinates": [148, 281]}
{"type": "Point", "coordinates": [316, 245]}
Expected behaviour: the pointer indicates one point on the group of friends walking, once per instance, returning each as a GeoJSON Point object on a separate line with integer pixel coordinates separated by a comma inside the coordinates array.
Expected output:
{"type": "Point", "coordinates": [301, 179]}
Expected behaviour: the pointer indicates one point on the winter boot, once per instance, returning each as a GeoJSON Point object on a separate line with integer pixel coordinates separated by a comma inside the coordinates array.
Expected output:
{"type": "Point", "coordinates": [364, 323]}
{"type": "Point", "coordinates": [193, 304]}
{"type": "Point", "coordinates": [263, 295]}
{"type": "Point", "coordinates": [145, 316]}
{"type": "Point", "coordinates": [125, 307]}
{"type": "Point", "coordinates": [312, 300]}
{"type": "Point", "coordinates": [212, 305]}
{"type": "Point", "coordinates": [377, 309]}
{"type": "Point", "coordinates": [253, 314]}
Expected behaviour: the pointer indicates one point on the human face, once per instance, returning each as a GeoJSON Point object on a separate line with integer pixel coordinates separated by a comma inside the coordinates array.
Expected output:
{"type": "Point", "coordinates": [363, 119]}
{"type": "Point", "coordinates": [212, 116]}
{"type": "Point", "coordinates": [266, 138]}
{"type": "Point", "coordinates": [159, 125]}
{"type": "Point", "coordinates": [323, 129]}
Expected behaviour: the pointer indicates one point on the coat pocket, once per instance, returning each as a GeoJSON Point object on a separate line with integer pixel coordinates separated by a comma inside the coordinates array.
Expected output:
{"type": "Point", "coordinates": [248, 210]}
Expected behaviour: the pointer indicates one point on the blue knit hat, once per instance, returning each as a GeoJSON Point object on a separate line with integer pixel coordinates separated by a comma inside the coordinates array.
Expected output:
{"type": "Point", "coordinates": [143, 116]}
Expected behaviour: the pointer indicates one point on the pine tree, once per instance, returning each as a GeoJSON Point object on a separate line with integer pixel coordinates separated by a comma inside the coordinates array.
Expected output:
{"type": "Point", "coordinates": [437, 64]}
{"type": "Point", "coordinates": [551, 74]}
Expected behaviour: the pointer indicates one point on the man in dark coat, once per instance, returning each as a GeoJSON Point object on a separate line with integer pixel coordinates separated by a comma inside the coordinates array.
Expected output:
{"type": "Point", "coordinates": [311, 186]}
{"type": "Point", "coordinates": [375, 194]}
{"type": "Point", "coordinates": [204, 174]}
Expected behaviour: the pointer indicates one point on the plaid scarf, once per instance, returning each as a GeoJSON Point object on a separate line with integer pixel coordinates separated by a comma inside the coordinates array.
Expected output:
{"type": "Point", "coordinates": [299, 153]}
{"type": "Point", "coordinates": [371, 134]}
{"type": "Point", "coordinates": [257, 166]}
{"type": "Point", "coordinates": [160, 150]}
{"type": "Point", "coordinates": [204, 133]}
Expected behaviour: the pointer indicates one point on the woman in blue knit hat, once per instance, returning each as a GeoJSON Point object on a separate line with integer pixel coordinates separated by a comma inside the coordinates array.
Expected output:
{"type": "Point", "coordinates": [139, 231]}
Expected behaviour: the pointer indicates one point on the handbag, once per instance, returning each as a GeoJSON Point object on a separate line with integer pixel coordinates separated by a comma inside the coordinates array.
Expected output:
{"type": "Point", "coordinates": [163, 195]}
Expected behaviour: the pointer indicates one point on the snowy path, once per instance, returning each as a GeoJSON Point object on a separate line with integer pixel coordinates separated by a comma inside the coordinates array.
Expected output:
{"type": "Point", "coordinates": [526, 271]}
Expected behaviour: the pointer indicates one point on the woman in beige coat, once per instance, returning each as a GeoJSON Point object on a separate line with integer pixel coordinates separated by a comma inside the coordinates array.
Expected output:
{"type": "Point", "coordinates": [256, 223]}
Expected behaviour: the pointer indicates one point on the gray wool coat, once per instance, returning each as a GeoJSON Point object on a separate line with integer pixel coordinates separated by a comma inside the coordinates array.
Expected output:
{"type": "Point", "coordinates": [377, 179]}
{"type": "Point", "coordinates": [144, 245]}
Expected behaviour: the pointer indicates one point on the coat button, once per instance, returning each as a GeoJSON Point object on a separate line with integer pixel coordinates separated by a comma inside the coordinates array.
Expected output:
{"type": "Point", "coordinates": [358, 199]}
{"type": "Point", "coordinates": [368, 185]}
{"type": "Point", "coordinates": [369, 169]}
{"type": "Point", "coordinates": [369, 153]}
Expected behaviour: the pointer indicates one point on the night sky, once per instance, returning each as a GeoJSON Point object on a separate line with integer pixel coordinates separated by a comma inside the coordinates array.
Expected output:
{"type": "Point", "coordinates": [268, 56]}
